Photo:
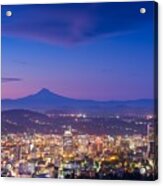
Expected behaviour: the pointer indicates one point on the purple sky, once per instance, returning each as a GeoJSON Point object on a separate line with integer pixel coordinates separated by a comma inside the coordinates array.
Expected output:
{"type": "Point", "coordinates": [96, 51]}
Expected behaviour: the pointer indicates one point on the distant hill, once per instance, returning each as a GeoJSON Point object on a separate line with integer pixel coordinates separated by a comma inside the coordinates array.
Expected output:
{"type": "Point", "coordinates": [14, 121]}
{"type": "Point", "coordinates": [45, 100]}
{"type": "Point", "coordinates": [19, 121]}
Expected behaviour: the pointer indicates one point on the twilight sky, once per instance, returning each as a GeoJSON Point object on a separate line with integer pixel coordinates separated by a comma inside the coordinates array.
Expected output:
{"type": "Point", "coordinates": [96, 51]}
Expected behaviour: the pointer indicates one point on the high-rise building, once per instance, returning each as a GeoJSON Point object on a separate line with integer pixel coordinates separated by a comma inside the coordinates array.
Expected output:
{"type": "Point", "coordinates": [151, 149]}
{"type": "Point", "coordinates": [68, 142]}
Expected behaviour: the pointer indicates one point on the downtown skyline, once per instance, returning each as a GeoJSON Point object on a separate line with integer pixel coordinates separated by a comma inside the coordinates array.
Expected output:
{"type": "Point", "coordinates": [79, 91]}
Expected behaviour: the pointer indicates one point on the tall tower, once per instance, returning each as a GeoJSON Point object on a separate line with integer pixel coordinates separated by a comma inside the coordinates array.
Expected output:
{"type": "Point", "coordinates": [151, 149]}
{"type": "Point", "coordinates": [68, 142]}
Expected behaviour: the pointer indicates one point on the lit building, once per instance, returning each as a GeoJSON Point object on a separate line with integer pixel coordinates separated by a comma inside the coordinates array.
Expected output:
{"type": "Point", "coordinates": [151, 150]}
{"type": "Point", "coordinates": [68, 142]}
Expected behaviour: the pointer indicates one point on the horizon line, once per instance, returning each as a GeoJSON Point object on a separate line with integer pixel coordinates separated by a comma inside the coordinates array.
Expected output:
{"type": "Point", "coordinates": [87, 99]}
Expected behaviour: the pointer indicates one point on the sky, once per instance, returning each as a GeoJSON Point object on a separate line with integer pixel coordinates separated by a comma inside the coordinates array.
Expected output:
{"type": "Point", "coordinates": [99, 51]}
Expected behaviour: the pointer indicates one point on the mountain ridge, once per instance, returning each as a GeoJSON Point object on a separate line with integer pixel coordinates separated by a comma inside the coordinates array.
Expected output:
{"type": "Point", "coordinates": [47, 91]}
{"type": "Point", "coordinates": [46, 100]}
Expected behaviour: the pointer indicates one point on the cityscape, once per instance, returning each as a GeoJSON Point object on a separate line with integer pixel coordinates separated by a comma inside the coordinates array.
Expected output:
{"type": "Point", "coordinates": [123, 151]}
{"type": "Point", "coordinates": [78, 156]}
{"type": "Point", "coordinates": [79, 94]}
